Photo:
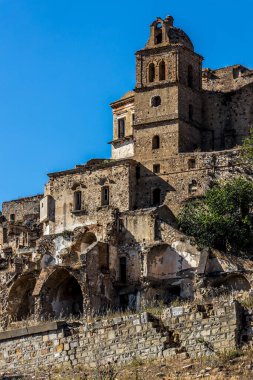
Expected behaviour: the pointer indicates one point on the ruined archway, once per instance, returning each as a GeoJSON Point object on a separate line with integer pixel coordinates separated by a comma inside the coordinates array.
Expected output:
{"type": "Point", "coordinates": [20, 299]}
{"type": "Point", "coordinates": [87, 239]}
{"type": "Point", "coordinates": [61, 295]}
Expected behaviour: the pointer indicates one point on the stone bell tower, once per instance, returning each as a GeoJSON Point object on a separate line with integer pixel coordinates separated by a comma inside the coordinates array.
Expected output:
{"type": "Point", "coordinates": [167, 94]}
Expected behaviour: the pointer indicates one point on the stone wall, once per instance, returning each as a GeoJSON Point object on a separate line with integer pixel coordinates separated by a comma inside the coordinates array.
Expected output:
{"type": "Point", "coordinates": [21, 208]}
{"type": "Point", "coordinates": [207, 329]}
{"type": "Point", "coordinates": [89, 181]}
{"type": "Point", "coordinates": [182, 331]}
{"type": "Point", "coordinates": [183, 176]}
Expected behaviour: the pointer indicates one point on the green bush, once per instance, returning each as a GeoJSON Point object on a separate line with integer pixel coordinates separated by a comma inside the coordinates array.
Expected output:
{"type": "Point", "coordinates": [222, 219]}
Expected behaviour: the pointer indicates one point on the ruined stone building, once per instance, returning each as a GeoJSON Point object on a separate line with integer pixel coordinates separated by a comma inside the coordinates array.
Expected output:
{"type": "Point", "coordinates": [103, 234]}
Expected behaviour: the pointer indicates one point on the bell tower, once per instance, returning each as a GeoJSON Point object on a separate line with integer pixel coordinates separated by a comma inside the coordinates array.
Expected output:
{"type": "Point", "coordinates": [167, 94]}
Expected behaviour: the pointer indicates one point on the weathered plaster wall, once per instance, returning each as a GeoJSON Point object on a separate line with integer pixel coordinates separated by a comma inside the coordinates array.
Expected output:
{"type": "Point", "coordinates": [123, 150]}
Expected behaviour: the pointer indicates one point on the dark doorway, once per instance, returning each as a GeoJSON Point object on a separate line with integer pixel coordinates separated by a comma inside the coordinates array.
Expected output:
{"type": "Point", "coordinates": [123, 301]}
{"type": "Point", "coordinates": [62, 295]}
{"type": "Point", "coordinates": [122, 270]}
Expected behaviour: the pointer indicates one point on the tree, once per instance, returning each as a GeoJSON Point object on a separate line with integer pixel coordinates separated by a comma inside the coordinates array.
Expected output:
{"type": "Point", "coordinates": [247, 151]}
{"type": "Point", "coordinates": [222, 219]}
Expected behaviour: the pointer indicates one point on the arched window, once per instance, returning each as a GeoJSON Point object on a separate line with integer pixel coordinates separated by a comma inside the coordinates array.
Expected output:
{"type": "Point", "coordinates": [162, 70]}
{"type": "Point", "coordinates": [105, 196]}
{"type": "Point", "coordinates": [151, 73]}
{"type": "Point", "coordinates": [158, 33]}
{"type": "Point", "coordinates": [77, 200]}
{"type": "Point", "coordinates": [190, 76]}
{"type": "Point", "coordinates": [156, 142]}
{"type": "Point", "coordinates": [156, 197]}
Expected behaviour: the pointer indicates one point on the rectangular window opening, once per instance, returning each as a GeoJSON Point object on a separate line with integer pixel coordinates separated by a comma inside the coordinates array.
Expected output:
{"type": "Point", "coordinates": [156, 168]}
{"type": "Point", "coordinates": [105, 196]}
{"type": "Point", "coordinates": [77, 201]}
{"type": "Point", "coordinates": [192, 163]}
{"type": "Point", "coordinates": [121, 127]}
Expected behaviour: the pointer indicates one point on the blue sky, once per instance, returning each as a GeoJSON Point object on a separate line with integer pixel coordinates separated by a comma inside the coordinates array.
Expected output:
{"type": "Point", "coordinates": [62, 63]}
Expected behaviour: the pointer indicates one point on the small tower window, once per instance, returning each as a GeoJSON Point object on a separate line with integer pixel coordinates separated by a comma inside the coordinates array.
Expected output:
{"type": "Point", "coordinates": [156, 142]}
{"type": "Point", "coordinates": [151, 73]}
{"type": "Point", "coordinates": [190, 112]}
{"type": "Point", "coordinates": [121, 127]}
{"type": "Point", "coordinates": [158, 34]}
{"type": "Point", "coordinates": [77, 200]}
{"type": "Point", "coordinates": [12, 217]}
{"type": "Point", "coordinates": [105, 196]}
{"type": "Point", "coordinates": [156, 101]}
{"type": "Point", "coordinates": [162, 70]}
{"type": "Point", "coordinates": [190, 76]}
{"type": "Point", "coordinates": [156, 195]}
{"type": "Point", "coordinates": [191, 163]}
{"type": "Point", "coordinates": [133, 118]}
{"type": "Point", "coordinates": [156, 168]}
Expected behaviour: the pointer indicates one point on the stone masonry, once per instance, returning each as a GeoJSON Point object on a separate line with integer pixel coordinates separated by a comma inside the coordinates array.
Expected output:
{"type": "Point", "coordinates": [182, 331]}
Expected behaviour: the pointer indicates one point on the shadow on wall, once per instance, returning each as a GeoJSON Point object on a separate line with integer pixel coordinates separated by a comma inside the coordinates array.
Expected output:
{"type": "Point", "coordinates": [230, 282]}
{"type": "Point", "coordinates": [151, 189]}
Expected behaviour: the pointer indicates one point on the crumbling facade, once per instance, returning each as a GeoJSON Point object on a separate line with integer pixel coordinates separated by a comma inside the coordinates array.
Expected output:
{"type": "Point", "coordinates": [104, 234]}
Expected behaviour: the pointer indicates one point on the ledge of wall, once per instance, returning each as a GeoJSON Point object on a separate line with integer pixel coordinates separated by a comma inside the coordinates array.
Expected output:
{"type": "Point", "coordinates": [31, 330]}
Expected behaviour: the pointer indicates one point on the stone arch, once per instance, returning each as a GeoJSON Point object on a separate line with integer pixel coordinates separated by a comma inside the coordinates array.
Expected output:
{"type": "Point", "coordinates": [158, 32]}
{"type": "Point", "coordinates": [20, 299]}
{"type": "Point", "coordinates": [61, 295]}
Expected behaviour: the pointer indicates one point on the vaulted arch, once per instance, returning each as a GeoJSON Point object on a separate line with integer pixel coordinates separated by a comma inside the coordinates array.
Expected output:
{"type": "Point", "coordinates": [61, 295]}
{"type": "Point", "coordinates": [20, 299]}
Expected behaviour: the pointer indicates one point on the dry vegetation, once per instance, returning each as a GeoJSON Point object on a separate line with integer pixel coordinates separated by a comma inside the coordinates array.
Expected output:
{"type": "Point", "coordinates": [234, 365]}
